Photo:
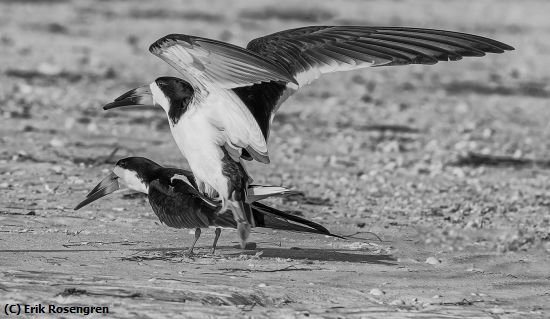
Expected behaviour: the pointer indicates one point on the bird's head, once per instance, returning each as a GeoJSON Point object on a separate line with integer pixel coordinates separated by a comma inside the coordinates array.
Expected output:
{"type": "Point", "coordinates": [173, 95]}
{"type": "Point", "coordinates": [133, 172]}
{"type": "Point", "coordinates": [170, 93]}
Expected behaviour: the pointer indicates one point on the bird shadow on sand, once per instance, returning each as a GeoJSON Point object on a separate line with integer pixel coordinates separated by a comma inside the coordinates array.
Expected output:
{"type": "Point", "coordinates": [353, 256]}
{"type": "Point", "coordinates": [175, 254]}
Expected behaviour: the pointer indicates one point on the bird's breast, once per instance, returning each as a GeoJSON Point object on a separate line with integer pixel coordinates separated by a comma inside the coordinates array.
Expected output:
{"type": "Point", "coordinates": [197, 138]}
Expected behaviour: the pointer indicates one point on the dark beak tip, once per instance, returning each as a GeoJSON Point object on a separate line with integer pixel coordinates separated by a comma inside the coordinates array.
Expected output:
{"type": "Point", "coordinates": [83, 203]}
{"type": "Point", "coordinates": [107, 186]}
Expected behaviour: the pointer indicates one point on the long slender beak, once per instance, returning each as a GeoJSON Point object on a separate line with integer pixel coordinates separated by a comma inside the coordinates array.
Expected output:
{"type": "Point", "coordinates": [108, 185]}
{"type": "Point", "coordinates": [138, 96]}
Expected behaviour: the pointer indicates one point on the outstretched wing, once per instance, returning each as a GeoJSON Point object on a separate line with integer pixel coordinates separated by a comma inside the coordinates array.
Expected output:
{"type": "Point", "coordinates": [308, 52]}
{"type": "Point", "coordinates": [209, 62]}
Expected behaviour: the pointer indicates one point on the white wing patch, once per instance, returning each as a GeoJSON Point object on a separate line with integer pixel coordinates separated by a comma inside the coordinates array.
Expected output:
{"type": "Point", "coordinates": [185, 179]}
{"type": "Point", "coordinates": [189, 65]}
{"type": "Point", "coordinates": [237, 126]}
{"type": "Point", "coordinates": [306, 77]}
{"type": "Point", "coordinates": [202, 61]}
{"type": "Point", "coordinates": [182, 178]}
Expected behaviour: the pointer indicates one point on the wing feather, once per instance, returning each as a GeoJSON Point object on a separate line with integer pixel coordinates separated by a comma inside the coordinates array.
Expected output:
{"type": "Point", "coordinates": [209, 62]}
{"type": "Point", "coordinates": [236, 125]}
{"type": "Point", "coordinates": [307, 53]}
{"type": "Point", "coordinates": [180, 206]}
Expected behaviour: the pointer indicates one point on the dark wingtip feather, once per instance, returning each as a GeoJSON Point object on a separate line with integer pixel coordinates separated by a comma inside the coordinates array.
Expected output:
{"type": "Point", "coordinates": [302, 223]}
{"type": "Point", "coordinates": [484, 44]}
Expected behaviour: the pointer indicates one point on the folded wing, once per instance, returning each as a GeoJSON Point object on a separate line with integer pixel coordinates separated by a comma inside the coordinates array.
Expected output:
{"type": "Point", "coordinates": [179, 209]}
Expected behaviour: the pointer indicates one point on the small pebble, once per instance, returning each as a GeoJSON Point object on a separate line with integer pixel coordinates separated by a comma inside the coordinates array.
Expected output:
{"type": "Point", "coordinates": [55, 142]}
{"type": "Point", "coordinates": [49, 68]}
{"type": "Point", "coordinates": [397, 302]}
{"type": "Point", "coordinates": [497, 310]}
{"type": "Point", "coordinates": [75, 180]}
{"type": "Point", "coordinates": [57, 169]}
{"type": "Point", "coordinates": [433, 261]}
{"type": "Point", "coordinates": [262, 285]}
{"type": "Point", "coordinates": [376, 292]}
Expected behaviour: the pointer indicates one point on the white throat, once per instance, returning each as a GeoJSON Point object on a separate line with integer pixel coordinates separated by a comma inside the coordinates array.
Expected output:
{"type": "Point", "coordinates": [131, 180]}
{"type": "Point", "coordinates": [159, 97]}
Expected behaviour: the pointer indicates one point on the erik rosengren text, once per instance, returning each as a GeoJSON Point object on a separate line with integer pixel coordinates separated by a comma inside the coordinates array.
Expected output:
{"type": "Point", "coordinates": [19, 309]}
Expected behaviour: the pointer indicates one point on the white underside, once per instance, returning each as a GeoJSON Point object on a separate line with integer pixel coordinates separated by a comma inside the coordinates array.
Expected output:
{"type": "Point", "coordinates": [198, 140]}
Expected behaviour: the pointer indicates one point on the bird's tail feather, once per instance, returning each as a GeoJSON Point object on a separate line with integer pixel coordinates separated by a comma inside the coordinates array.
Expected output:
{"type": "Point", "coordinates": [259, 192]}
{"type": "Point", "coordinates": [269, 217]}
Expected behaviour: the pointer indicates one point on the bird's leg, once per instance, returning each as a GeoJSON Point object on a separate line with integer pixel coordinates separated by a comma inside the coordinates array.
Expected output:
{"type": "Point", "coordinates": [243, 229]}
{"type": "Point", "coordinates": [218, 233]}
{"type": "Point", "coordinates": [237, 182]}
{"type": "Point", "coordinates": [240, 214]}
{"type": "Point", "coordinates": [197, 235]}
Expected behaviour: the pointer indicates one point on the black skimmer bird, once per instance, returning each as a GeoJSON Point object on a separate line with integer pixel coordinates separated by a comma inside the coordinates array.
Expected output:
{"type": "Point", "coordinates": [178, 203]}
{"type": "Point", "coordinates": [221, 112]}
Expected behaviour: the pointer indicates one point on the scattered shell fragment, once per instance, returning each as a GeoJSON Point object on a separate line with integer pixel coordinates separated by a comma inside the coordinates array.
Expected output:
{"type": "Point", "coordinates": [433, 261]}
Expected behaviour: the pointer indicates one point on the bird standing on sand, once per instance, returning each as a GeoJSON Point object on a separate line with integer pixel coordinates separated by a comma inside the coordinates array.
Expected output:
{"type": "Point", "coordinates": [221, 112]}
{"type": "Point", "coordinates": [177, 202]}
